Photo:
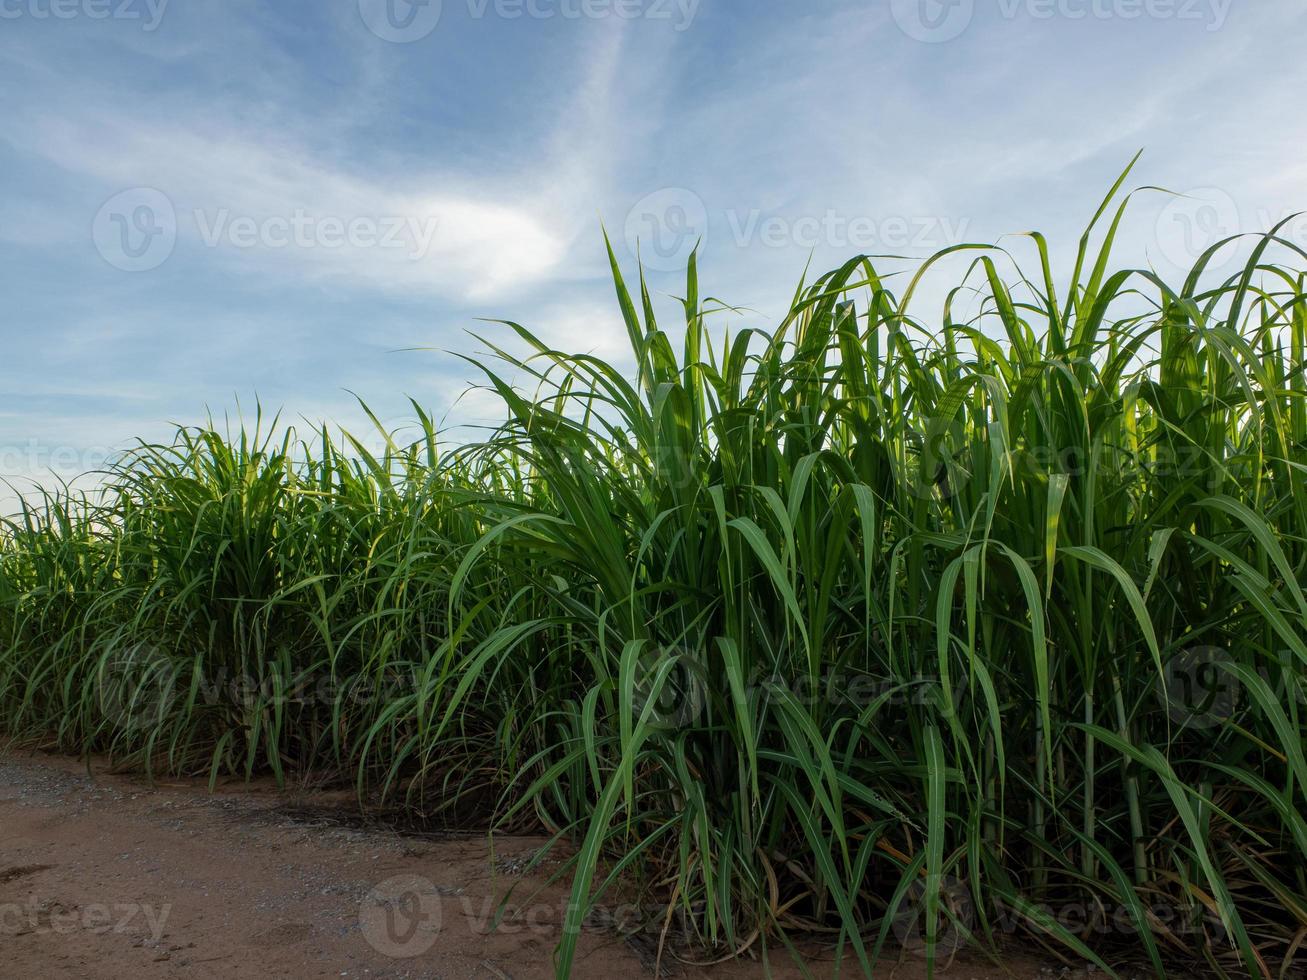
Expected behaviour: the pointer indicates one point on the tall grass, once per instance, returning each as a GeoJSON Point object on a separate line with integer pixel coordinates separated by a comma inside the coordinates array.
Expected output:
{"type": "Point", "coordinates": [887, 629]}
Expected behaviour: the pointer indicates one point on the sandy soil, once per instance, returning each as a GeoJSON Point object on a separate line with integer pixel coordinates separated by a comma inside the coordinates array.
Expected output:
{"type": "Point", "coordinates": [105, 876]}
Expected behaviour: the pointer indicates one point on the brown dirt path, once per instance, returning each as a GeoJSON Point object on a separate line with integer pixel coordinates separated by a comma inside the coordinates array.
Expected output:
{"type": "Point", "coordinates": [104, 876]}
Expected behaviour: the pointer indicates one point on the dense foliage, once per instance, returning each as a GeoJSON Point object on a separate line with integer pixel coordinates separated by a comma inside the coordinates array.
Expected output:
{"type": "Point", "coordinates": [866, 629]}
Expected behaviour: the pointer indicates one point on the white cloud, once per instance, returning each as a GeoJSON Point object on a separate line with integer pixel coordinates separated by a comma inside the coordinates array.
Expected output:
{"type": "Point", "coordinates": [241, 197]}
{"type": "Point", "coordinates": [235, 185]}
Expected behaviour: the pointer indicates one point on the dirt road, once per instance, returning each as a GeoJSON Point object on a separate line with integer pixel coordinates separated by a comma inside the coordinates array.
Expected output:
{"type": "Point", "coordinates": [104, 876]}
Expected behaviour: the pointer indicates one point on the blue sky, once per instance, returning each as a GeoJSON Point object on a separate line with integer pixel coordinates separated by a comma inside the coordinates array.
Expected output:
{"type": "Point", "coordinates": [211, 200]}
